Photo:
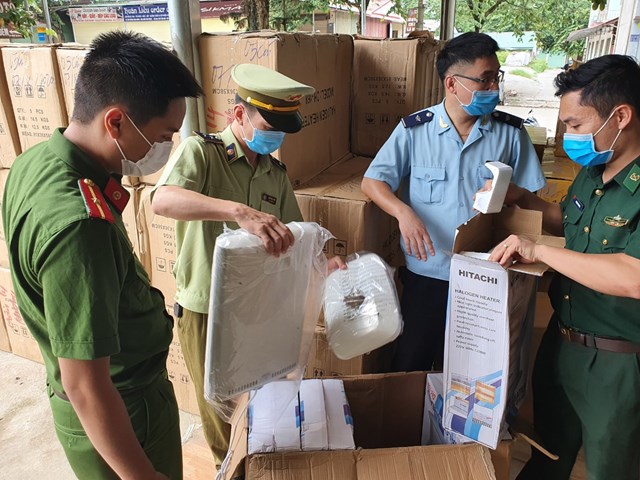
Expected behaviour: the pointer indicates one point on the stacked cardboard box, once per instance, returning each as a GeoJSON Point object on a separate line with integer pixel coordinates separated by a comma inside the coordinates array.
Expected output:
{"type": "Point", "coordinates": [70, 58]}
{"type": "Point", "coordinates": [9, 141]}
{"type": "Point", "coordinates": [36, 93]}
{"type": "Point", "coordinates": [322, 61]}
{"type": "Point", "coordinates": [560, 173]}
{"type": "Point", "coordinates": [391, 79]}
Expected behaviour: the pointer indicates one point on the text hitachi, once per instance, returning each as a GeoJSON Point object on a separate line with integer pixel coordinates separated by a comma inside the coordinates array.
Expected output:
{"type": "Point", "coordinates": [475, 276]}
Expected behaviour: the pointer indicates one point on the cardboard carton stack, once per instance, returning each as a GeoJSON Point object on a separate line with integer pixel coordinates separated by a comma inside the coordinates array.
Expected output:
{"type": "Point", "coordinates": [322, 61]}
{"type": "Point", "coordinates": [391, 79]}
{"type": "Point", "coordinates": [560, 173]}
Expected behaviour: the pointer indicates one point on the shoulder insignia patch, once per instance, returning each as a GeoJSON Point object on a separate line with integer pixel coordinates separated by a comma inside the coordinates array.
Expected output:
{"type": "Point", "coordinates": [117, 195]}
{"type": "Point", "coordinates": [507, 118]}
{"type": "Point", "coordinates": [278, 163]}
{"type": "Point", "coordinates": [209, 137]}
{"type": "Point", "coordinates": [94, 201]}
{"type": "Point", "coordinates": [632, 181]}
{"type": "Point", "coordinates": [423, 116]}
{"type": "Point", "coordinates": [232, 154]}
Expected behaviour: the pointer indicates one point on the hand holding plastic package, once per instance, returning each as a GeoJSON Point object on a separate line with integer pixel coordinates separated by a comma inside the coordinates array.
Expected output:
{"type": "Point", "coordinates": [262, 311]}
{"type": "Point", "coordinates": [361, 308]}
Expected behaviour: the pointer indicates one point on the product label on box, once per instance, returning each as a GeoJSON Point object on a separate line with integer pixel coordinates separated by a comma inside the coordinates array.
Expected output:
{"type": "Point", "coordinates": [476, 349]}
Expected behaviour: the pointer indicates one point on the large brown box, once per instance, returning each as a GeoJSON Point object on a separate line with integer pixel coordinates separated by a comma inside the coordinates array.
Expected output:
{"type": "Point", "coordinates": [387, 411]}
{"type": "Point", "coordinates": [158, 246]}
{"type": "Point", "coordinates": [334, 200]}
{"type": "Point", "coordinates": [70, 58]}
{"type": "Point", "coordinates": [20, 338]}
{"type": "Point", "coordinates": [391, 79]}
{"type": "Point", "coordinates": [36, 92]}
{"type": "Point", "coordinates": [322, 61]}
{"type": "Point", "coordinates": [4, 252]}
{"type": "Point", "coordinates": [9, 141]}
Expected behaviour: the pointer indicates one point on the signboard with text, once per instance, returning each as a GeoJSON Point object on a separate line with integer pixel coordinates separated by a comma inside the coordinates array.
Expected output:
{"type": "Point", "coordinates": [95, 14]}
{"type": "Point", "coordinates": [145, 13]}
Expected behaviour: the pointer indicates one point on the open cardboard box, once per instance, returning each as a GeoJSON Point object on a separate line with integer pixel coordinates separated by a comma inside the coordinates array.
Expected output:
{"type": "Point", "coordinates": [491, 313]}
{"type": "Point", "coordinates": [387, 411]}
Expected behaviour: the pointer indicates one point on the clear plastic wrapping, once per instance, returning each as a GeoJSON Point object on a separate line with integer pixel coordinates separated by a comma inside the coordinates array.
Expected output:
{"type": "Point", "coordinates": [361, 308]}
{"type": "Point", "coordinates": [262, 312]}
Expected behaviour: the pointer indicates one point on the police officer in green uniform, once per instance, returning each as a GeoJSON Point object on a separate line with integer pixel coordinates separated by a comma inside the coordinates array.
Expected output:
{"type": "Point", "coordinates": [103, 331]}
{"type": "Point", "coordinates": [586, 382]}
{"type": "Point", "coordinates": [229, 177]}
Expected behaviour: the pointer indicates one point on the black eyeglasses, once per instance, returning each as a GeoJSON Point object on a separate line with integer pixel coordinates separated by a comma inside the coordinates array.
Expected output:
{"type": "Point", "coordinates": [483, 81]}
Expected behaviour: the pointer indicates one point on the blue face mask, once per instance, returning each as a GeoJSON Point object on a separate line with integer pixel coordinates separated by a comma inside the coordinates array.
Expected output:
{"type": "Point", "coordinates": [581, 147]}
{"type": "Point", "coordinates": [263, 141]}
{"type": "Point", "coordinates": [483, 102]}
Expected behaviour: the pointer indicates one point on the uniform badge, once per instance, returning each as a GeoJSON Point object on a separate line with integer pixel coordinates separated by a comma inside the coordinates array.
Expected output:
{"type": "Point", "coordinates": [117, 195]}
{"type": "Point", "coordinates": [231, 152]}
{"type": "Point", "coordinates": [270, 199]}
{"type": "Point", "coordinates": [442, 123]}
{"type": "Point", "coordinates": [616, 221]}
{"type": "Point", "coordinates": [633, 179]}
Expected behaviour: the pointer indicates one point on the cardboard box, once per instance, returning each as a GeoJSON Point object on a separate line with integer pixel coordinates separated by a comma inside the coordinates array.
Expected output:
{"type": "Point", "coordinates": [387, 415]}
{"type": "Point", "coordinates": [490, 317]}
{"type": "Point", "coordinates": [9, 140]}
{"type": "Point", "coordinates": [159, 243]}
{"type": "Point", "coordinates": [20, 338]}
{"type": "Point", "coordinates": [70, 58]}
{"type": "Point", "coordinates": [558, 167]}
{"type": "Point", "coordinates": [4, 252]}
{"type": "Point", "coordinates": [334, 200]}
{"type": "Point", "coordinates": [5, 344]}
{"type": "Point", "coordinates": [561, 129]}
{"type": "Point", "coordinates": [323, 363]}
{"type": "Point", "coordinates": [391, 79]}
{"type": "Point", "coordinates": [36, 91]}
{"type": "Point", "coordinates": [433, 432]}
{"type": "Point", "coordinates": [555, 190]}
{"type": "Point", "coordinates": [322, 61]}
{"type": "Point", "coordinates": [158, 247]}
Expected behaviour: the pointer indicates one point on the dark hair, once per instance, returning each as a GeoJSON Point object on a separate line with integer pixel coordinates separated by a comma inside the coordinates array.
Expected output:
{"type": "Point", "coordinates": [466, 48]}
{"type": "Point", "coordinates": [605, 82]}
{"type": "Point", "coordinates": [132, 70]}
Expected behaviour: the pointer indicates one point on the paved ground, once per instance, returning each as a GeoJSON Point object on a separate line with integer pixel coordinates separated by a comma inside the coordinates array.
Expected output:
{"type": "Point", "coordinates": [524, 95]}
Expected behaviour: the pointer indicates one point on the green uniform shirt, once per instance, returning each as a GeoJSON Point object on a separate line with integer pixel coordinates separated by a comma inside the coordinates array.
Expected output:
{"type": "Point", "coordinates": [218, 168]}
{"type": "Point", "coordinates": [81, 290]}
{"type": "Point", "coordinates": [600, 219]}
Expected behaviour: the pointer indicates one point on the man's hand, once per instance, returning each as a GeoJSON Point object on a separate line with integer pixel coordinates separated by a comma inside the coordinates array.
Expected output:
{"type": "Point", "coordinates": [415, 235]}
{"type": "Point", "coordinates": [514, 193]}
{"type": "Point", "coordinates": [334, 264]}
{"type": "Point", "coordinates": [275, 235]}
{"type": "Point", "coordinates": [514, 248]}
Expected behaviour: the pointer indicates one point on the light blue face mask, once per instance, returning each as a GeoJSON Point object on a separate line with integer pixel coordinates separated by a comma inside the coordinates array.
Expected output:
{"type": "Point", "coordinates": [483, 102]}
{"type": "Point", "coordinates": [581, 147]}
{"type": "Point", "coordinates": [263, 141]}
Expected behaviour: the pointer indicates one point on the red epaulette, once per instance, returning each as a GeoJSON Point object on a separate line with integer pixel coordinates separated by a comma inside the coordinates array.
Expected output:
{"type": "Point", "coordinates": [94, 200]}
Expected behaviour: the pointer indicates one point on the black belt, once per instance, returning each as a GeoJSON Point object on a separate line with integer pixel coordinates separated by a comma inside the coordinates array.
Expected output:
{"type": "Point", "coordinates": [599, 343]}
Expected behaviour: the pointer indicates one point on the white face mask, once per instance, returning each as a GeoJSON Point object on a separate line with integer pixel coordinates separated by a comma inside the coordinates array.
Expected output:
{"type": "Point", "coordinates": [156, 158]}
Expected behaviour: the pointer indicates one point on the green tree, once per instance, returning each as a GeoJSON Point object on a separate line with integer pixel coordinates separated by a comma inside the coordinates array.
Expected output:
{"type": "Point", "coordinates": [289, 15]}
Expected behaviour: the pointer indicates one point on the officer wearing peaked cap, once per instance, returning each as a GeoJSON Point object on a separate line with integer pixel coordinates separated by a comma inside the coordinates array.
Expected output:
{"type": "Point", "coordinates": [228, 177]}
{"type": "Point", "coordinates": [438, 156]}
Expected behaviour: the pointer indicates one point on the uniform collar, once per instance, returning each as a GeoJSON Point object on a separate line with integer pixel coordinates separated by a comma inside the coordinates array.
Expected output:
{"type": "Point", "coordinates": [234, 151]}
{"type": "Point", "coordinates": [628, 178]}
{"type": "Point", "coordinates": [444, 123]}
{"type": "Point", "coordinates": [77, 159]}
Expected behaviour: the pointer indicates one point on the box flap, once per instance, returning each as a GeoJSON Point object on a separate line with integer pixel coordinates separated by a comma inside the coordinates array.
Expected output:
{"type": "Point", "coordinates": [387, 409]}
